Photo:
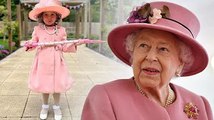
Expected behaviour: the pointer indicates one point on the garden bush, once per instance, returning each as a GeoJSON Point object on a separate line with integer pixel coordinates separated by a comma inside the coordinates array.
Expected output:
{"type": "Point", "coordinates": [3, 52]}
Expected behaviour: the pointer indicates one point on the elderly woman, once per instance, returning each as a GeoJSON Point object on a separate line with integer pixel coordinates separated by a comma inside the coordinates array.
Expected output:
{"type": "Point", "coordinates": [159, 43]}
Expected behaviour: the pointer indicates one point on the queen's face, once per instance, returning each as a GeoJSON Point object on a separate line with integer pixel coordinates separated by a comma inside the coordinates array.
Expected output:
{"type": "Point", "coordinates": [155, 58]}
{"type": "Point", "coordinates": [49, 18]}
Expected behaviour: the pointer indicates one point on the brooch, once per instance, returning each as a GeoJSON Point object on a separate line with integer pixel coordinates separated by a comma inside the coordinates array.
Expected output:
{"type": "Point", "coordinates": [191, 110]}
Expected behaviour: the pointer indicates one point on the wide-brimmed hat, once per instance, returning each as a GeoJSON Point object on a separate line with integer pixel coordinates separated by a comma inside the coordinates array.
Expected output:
{"type": "Point", "coordinates": [48, 5]}
{"type": "Point", "coordinates": [164, 16]}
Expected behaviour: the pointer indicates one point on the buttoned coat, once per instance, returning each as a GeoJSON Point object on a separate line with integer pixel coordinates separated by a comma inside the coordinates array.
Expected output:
{"type": "Point", "coordinates": [49, 73]}
{"type": "Point", "coordinates": [120, 100]}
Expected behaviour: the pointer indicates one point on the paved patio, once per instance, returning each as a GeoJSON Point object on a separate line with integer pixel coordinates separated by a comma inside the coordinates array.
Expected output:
{"type": "Point", "coordinates": [87, 67]}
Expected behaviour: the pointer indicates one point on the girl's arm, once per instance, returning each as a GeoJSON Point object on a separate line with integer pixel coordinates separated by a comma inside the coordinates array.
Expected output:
{"type": "Point", "coordinates": [68, 47]}
{"type": "Point", "coordinates": [34, 39]}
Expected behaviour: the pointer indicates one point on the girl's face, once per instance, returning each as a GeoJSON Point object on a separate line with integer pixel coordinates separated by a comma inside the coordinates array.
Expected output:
{"type": "Point", "coordinates": [155, 58]}
{"type": "Point", "coordinates": [49, 17]}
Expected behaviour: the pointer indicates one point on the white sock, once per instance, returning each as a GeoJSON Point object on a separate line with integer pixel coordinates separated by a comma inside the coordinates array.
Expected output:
{"type": "Point", "coordinates": [57, 110]}
{"type": "Point", "coordinates": [45, 106]}
{"type": "Point", "coordinates": [45, 109]}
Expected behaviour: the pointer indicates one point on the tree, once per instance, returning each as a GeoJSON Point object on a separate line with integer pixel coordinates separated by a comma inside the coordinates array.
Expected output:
{"type": "Point", "coordinates": [3, 12]}
{"type": "Point", "coordinates": [6, 25]}
{"type": "Point", "coordinates": [13, 8]}
{"type": "Point", "coordinates": [95, 10]}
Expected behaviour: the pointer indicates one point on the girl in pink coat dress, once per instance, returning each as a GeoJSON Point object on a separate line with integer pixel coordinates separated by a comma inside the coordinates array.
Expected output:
{"type": "Point", "coordinates": [49, 74]}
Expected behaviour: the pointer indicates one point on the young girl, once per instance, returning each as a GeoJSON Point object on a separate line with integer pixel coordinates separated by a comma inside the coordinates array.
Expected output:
{"type": "Point", "coordinates": [49, 74]}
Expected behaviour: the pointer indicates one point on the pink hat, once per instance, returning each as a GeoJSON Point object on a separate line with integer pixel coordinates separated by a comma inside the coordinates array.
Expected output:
{"type": "Point", "coordinates": [48, 5]}
{"type": "Point", "coordinates": [167, 17]}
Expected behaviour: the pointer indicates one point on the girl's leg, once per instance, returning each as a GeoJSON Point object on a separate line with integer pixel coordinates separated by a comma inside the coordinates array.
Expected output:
{"type": "Point", "coordinates": [56, 107]}
{"type": "Point", "coordinates": [56, 97]}
{"type": "Point", "coordinates": [45, 106]}
{"type": "Point", "coordinates": [45, 97]}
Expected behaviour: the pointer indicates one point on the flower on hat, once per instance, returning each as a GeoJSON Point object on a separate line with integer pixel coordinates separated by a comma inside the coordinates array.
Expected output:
{"type": "Point", "coordinates": [191, 110]}
{"type": "Point", "coordinates": [156, 15]}
{"type": "Point", "coordinates": [145, 14]}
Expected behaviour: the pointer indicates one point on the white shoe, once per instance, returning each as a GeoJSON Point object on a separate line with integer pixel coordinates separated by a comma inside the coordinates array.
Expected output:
{"type": "Point", "coordinates": [57, 112]}
{"type": "Point", "coordinates": [44, 112]}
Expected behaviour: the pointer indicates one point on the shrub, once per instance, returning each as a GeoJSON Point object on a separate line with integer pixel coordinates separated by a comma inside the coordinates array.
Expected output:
{"type": "Point", "coordinates": [3, 52]}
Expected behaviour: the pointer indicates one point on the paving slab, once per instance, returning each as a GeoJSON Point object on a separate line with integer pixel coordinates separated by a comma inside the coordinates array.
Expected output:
{"type": "Point", "coordinates": [86, 67]}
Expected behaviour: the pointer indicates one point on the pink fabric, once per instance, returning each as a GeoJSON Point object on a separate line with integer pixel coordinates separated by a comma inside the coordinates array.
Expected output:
{"type": "Point", "coordinates": [120, 100]}
{"type": "Point", "coordinates": [49, 72]}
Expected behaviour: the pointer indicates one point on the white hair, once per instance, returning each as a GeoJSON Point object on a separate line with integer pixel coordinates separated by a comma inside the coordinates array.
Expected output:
{"type": "Point", "coordinates": [185, 53]}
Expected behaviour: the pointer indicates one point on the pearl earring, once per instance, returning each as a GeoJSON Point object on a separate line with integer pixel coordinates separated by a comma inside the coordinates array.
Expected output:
{"type": "Point", "coordinates": [178, 74]}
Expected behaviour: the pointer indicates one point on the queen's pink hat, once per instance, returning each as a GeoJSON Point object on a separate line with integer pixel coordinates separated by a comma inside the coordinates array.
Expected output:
{"type": "Point", "coordinates": [175, 19]}
{"type": "Point", "coordinates": [48, 5]}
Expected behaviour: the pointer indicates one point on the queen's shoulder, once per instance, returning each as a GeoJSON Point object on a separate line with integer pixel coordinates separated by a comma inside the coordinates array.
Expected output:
{"type": "Point", "coordinates": [115, 84]}
{"type": "Point", "coordinates": [184, 91]}
{"type": "Point", "coordinates": [118, 82]}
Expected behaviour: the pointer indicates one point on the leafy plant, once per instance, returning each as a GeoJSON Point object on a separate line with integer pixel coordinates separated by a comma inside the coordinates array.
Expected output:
{"type": "Point", "coordinates": [3, 52]}
{"type": "Point", "coordinates": [7, 26]}
{"type": "Point", "coordinates": [13, 8]}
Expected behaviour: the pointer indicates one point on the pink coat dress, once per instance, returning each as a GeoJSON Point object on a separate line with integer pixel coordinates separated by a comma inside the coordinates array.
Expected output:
{"type": "Point", "coordinates": [120, 100]}
{"type": "Point", "coordinates": [49, 72]}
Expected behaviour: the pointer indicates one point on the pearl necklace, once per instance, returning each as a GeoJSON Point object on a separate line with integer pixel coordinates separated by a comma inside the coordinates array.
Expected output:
{"type": "Point", "coordinates": [170, 98]}
{"type": "Point", "coordinates": [51, 33]}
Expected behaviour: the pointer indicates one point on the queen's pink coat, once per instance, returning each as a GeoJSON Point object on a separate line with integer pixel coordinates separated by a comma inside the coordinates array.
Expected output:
{"type": "Point", "coordinates": [120, 100]}
{"type": "Point", "coordinates": [49, 72]}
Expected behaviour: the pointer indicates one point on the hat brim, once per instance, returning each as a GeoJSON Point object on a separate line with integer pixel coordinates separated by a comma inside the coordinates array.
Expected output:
{"type": "Point", "coordinates": [117, 36]}
{"type": "Point", "coordinates": [59, 9]}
